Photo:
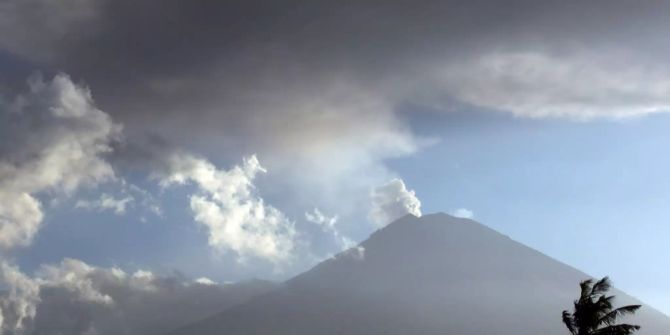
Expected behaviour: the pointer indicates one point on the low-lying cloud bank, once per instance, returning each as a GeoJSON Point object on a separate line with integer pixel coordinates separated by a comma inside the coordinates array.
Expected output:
{"type": "Point", "coordinates": [76, 298]}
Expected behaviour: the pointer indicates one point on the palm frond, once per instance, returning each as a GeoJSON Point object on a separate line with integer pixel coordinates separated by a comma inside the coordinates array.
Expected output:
{"type": "Point", "coordinates": [569, 322]}
{"type": "Point", "coordinates": [585, 286]}
{"type": "Point", "coordinates": [601, 286]}
{"type": "Point", "coordinates": [594, 313]}
{"type": "Point", "coordinates": [622, 329]}
{"type": "Point", "coordinates": [610, 318]}
{"type": "Point", "coordinates": [604, 303]}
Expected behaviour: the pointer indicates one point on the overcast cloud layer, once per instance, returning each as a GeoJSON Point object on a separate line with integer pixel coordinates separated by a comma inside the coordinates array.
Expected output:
{"type": "Point", "coordinates": [216, 58]}
{"type": "Point", "coordinates": [76, 298]}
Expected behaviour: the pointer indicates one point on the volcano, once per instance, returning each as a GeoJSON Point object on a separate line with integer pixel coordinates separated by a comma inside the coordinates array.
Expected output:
{"type": "Point", "coordinates": [436, 274]}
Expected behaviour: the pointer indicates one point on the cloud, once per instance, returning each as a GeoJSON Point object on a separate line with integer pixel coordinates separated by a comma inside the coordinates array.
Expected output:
{"type": "Point", "coordinates": [237, 219]}
{"type": "Point", "coordinates": [106, 202]}
{"type": "Point", "coordinates": [205, 281]}
{"type": "Point", "coordinates": [386, 54]}
{"type": "Point", "coordinates": [76, 277]}
{"type": "Point", "coordinates": [57, 20]}
{"type": "Point", "coordinates": [18, 306]}
{"type": "Point", "coordinates": [356, 253]}
{"type": "Point", "coordinates": [579, 86]}
{"type": "Point", "coordinates": [463, 213]}
{"type": "Point", "coordinates": [328, 225]}
{"type": "Point", "coordinates": [20, 218]}
{"type": "Point", "coordinates": [52, 139]}
{"type": "Point", "coordinates": [73, 297]}
{"type": "Point", "coordinates": [316, 88]}
{"type": "Point", "coordinates": [391, 201]}
{"type": "Point", "coordinates": [127, 196]}
{"type": "Point", "coordinates": [318, 218]}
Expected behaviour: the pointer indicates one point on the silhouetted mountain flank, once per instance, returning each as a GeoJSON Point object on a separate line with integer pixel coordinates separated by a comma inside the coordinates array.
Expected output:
{"type": "Point", "coordinates": [431, 275]}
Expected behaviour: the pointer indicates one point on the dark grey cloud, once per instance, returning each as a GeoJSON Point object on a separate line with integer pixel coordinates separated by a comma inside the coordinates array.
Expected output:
{"type": "Point", "coordinates": [240, 66]}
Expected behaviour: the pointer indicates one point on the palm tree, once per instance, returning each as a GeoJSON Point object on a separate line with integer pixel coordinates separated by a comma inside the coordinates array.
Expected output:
{"type": "Point", "coordinates": [593, 312]}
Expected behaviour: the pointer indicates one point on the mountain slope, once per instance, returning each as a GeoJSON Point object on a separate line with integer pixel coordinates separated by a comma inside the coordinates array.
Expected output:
{"type": "Point", "coordinates": [431, 275]}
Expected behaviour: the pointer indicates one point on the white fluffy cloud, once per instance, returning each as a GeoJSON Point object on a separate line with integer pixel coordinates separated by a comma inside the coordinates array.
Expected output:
{"type": "Point", "coordinates": [391, 201]}
{"type": "Point", "coordinates": [53, 139]}
{"type": "Point", "coordinates": [76, 298]}
{"type": "Point", "coordinates": [237, 219]}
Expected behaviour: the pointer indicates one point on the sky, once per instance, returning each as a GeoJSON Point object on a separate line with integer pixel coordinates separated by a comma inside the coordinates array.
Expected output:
{"type": "Point", "coordinates": [232, 140]}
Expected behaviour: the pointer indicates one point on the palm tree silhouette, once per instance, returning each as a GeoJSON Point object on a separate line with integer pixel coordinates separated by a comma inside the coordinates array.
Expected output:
{"type": "Point", "coordinates": [593, 312]}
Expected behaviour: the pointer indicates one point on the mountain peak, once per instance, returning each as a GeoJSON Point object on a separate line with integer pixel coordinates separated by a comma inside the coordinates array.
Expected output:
{"type": "Point", "coordinates": [435, 274]}
{"type": "Point", "coordinates": [436, 221]}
